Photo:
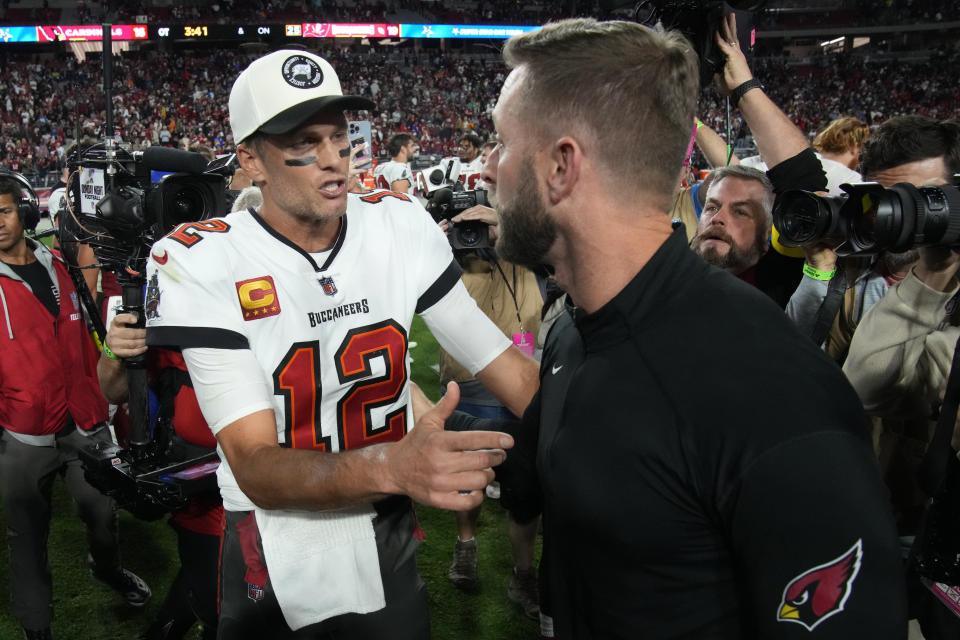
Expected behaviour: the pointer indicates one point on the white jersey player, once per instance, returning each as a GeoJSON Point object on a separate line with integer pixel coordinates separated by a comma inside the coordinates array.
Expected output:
{"type": "Point", "coordinates": [328, 330]}
{"type": "Point", "coordinates": [293, 321]}
{"type": "Point", "coordinates": [395, 175]}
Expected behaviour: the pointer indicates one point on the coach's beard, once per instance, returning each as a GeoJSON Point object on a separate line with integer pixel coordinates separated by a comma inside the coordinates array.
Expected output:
{"type": "Point", "coordinates": [526, 230]}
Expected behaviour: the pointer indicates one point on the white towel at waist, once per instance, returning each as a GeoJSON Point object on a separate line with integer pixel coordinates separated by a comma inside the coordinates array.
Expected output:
{"type": "Point", "coordinates": [322, 563]}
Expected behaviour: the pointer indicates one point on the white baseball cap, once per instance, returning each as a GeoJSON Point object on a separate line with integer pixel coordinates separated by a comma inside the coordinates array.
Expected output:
{"type": "Point", "coordinates": [283, 89]}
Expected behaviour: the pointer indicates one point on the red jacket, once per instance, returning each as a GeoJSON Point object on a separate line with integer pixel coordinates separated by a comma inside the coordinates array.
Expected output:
{"type": "Point", "coordinates": [48, 365]}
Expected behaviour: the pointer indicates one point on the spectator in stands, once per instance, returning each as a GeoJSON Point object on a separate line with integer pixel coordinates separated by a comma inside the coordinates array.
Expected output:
{"type": "Point", "coordinates": [901, 353]}
{"type": "Point", "coordinates": [50, 408]}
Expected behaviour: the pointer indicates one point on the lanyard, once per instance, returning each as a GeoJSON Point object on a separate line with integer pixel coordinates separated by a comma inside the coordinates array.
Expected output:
{"type": "Point", "coordinates": [512, 290]}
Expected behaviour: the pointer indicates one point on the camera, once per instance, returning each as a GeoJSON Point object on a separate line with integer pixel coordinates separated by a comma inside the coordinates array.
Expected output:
{"type": "Point", "coordinates": [445, 203]}
{"type": "Point", "coordinates": [151, 487]}
{"type": "Point", "coordinates": [870, 218]}
{"type": "Point", "coordinates": [120, 202]}
{"type": "Point", "coordinates": [444, 174]}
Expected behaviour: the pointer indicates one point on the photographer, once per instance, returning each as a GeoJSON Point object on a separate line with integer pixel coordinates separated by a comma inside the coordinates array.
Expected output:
{"type": "Point", "coordinates": [900, 356]}
{"type": "Point", "coordinates": [733, 229]}
{"type": "Point", "coordinates": [510, 296]}
{"type": "Point", "coordinates": [193, 594]}
{"type": "Point", "coordinates": [50, 407]}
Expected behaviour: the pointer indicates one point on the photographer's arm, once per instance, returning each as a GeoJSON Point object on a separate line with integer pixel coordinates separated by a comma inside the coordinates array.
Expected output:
{"type": "Point", "coordinates": [777, 137]}
{"type": "Point", "coordinates": [124, 342]}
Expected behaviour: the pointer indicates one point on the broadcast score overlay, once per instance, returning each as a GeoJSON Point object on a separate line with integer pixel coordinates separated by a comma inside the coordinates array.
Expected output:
{"type": "Point", "coordinates": [270, 31]}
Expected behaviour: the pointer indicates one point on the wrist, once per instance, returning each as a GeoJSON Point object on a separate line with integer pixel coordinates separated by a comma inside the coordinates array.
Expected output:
{"type": "Point", "coordinates": [107, 352]}
{"type": "Point", "coordinates": [740, 90]}
{"type": "Point", "coordinates": [818, 274]}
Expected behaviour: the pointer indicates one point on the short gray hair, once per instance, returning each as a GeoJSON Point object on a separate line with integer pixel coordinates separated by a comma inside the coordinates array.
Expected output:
{"type": "Point", "coordinates": [747, 173]}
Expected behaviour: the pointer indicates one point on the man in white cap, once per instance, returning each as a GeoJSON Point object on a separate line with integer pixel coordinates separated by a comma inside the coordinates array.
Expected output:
{"type": "Point", "coordinates": [294, 323]}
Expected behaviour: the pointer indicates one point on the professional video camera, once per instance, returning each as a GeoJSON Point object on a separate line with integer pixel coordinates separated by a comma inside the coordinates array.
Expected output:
{"type": "Point", "coordinates": [447, 202]}
{"type": "Point", "coordinates": [119, 203]}
{"type": "Point", "coordinates": [870, 218]}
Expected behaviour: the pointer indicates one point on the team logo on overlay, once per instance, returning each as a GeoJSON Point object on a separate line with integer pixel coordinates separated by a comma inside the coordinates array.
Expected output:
{"type": "Point", "coordinates": [302, 72]}
{"type": "Point", "coordinates": [258, 298]}
{"type": "Point", "coordinates": [152, 303]}
{"type": "Point", "coordinates": [820, 592]}
{"type": "Point", "coordinates": [328, 285]}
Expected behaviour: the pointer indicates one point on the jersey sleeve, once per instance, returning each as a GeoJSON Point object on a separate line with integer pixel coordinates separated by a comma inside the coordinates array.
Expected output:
{"type": "Point", "coordinates": [815, 544]}
{"type": "Point", "coordinates": [436, 272]}
{"type": "Point", "coordinates": [189, 302]}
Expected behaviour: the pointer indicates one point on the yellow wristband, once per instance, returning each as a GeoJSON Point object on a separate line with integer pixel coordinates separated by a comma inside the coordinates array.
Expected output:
{"type": "Point", "coordinates": [108, 353]}
{"type": "Point", "coordinates": [816, 274]}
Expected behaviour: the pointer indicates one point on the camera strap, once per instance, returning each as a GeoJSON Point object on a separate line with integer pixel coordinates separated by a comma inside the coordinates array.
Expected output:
{"type": "Point", "coordinates": [512, 290]}
{"type": "Point", "coordinates": [935, 461]}
{"type": "Point", "coordinates": [831, 304]}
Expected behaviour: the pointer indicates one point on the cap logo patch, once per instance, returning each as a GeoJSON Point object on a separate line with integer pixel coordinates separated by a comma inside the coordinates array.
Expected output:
{"type": "Point", "coordinates": [302, 72]}
{"type": "Point", "coordinates": [258, 298]}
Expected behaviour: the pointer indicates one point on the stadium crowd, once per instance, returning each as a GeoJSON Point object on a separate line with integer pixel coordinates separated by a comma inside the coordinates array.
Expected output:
{"type": "Point", "coordinates": [178, 97]}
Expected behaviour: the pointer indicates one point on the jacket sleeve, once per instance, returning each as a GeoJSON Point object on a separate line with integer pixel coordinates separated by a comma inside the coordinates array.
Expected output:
{"type": "Point", "coordinates": [900, 357]}
{"type": "Point", "coordinates": [818, 556]}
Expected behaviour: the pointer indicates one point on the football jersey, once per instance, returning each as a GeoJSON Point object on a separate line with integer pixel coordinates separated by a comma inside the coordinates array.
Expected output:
{"type": "Point", "coordinates": [470, 173]}
{"type": "Point", "coordinates": [331, 337]}
{"type": "Point", "coordinates": [389, 172]}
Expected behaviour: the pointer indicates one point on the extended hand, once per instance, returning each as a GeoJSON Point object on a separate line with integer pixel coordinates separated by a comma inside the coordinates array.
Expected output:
{"type": "Point", "coordinates": [445, 469]}
{"type": "Point", "coordinates": [483, 214]}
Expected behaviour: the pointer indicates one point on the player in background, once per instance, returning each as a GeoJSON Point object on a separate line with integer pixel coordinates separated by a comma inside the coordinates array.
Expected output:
{"type": "Point", "coordinates": [395, 175]}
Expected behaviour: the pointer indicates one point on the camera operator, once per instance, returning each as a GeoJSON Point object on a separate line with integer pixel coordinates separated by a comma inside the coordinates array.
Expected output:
{"type": "Point", "coordinates": [730, 232]}
{"type": "Point", "coordinates": [509, 295]}
{"type": "Point", "coordinates": [193, 594]}
{"type": "Point", "coordinates": [50, 407]}
{"type": "Point", "coordinates": [901, 354]}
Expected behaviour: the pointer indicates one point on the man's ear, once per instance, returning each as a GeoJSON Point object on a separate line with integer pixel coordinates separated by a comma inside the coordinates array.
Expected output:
{"type": "Point", "coordinates": [565, 161]}
{"type": "Point", "coordinates": [250, 162]}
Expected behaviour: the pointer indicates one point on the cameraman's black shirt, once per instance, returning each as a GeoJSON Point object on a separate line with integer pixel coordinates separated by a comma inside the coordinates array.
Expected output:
{"type": "Point", "coordinates": [35, 275]}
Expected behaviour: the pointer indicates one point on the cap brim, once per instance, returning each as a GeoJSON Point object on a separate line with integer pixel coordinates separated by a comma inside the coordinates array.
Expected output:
{"type": "Point", "coordinates": [296, 115]}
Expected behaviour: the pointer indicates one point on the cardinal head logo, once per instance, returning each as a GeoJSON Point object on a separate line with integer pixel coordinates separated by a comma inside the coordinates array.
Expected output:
{"type": "Point", "coordinates": [820, 592]}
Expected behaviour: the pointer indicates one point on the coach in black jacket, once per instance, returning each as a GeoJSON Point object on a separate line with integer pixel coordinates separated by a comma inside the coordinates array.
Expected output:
{"type": "Point", "coordinates": [705, 471]}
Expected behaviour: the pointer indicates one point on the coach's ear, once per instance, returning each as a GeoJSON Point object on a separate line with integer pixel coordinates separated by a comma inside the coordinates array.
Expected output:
{"type": "Point", "coordinates": [251, 162]}
{"type": "Point", "coordinates": [565, 158]}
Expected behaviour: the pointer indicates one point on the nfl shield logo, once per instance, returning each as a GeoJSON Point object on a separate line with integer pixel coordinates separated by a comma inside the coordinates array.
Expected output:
{"type": "Point", "coordinates": [329, 286]}
{"type": "Point", "coordinates": [254, 592]}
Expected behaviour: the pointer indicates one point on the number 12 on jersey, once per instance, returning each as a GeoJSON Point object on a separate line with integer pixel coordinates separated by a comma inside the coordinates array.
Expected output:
{"type": "Point", "coordinates": [297, 378]}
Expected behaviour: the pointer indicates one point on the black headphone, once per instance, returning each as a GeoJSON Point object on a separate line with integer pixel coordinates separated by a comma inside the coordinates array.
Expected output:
{"type": "Point", "coordinates": [29, 206]}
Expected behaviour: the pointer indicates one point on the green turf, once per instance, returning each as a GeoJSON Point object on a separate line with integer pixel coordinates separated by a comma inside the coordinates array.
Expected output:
{"type": "Point", "coordinates": [86, 610]}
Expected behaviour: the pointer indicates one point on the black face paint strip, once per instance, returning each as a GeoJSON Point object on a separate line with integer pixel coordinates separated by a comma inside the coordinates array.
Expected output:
{"type": "Point", "coordinates": [300, 162]}
{"type": "Point", "coordinates": [344, 152]}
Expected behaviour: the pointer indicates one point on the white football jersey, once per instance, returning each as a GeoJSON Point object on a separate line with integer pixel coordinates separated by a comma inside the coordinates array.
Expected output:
{"type": "Point", "coordinates": [470, 173]}
{"type": "Point", "coordinates": [389, 172]}
{"type": "Point", "coordinates": [331, 337]}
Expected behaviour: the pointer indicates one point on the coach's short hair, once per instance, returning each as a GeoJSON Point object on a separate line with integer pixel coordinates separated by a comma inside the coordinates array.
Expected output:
{"type": "Point", "coordinates": [906, 139]}
{"type": "Point", "coordinates": [841, 135]}
{"type": "Point", "coordinates": [398, 141]}
{"type": "Point", "coordinates": [631, 89]}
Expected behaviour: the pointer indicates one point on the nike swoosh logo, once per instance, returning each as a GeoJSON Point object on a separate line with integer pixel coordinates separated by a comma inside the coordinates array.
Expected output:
{"type": "Point", "coordinates": [556, 368]}
{"type": "Point", "coordinates": [161, 260]}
